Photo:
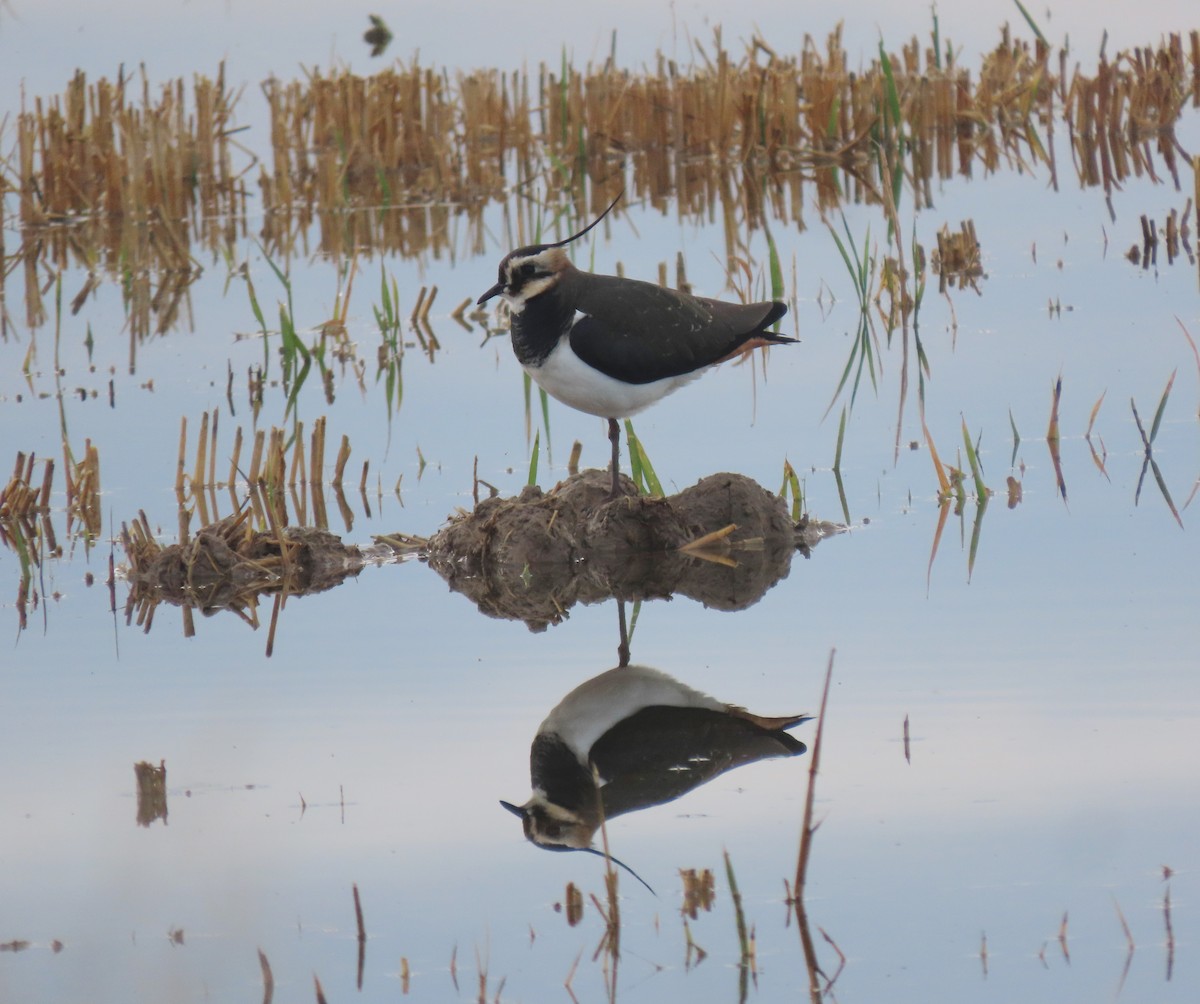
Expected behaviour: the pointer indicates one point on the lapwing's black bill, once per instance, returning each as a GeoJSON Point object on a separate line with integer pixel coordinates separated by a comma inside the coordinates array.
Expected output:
{"type": "Point", "coordinates": [611, 346]}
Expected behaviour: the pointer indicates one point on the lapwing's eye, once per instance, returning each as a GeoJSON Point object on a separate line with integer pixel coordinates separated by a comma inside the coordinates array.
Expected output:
{"type": "Point", "coordinates": [527, 270]}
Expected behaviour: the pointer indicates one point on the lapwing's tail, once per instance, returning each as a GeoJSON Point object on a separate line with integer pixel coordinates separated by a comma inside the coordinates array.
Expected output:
{"type": "Point", "coordinates": [759, 340]}
{"type": "Point", "coordinates": [770, 724]}
{"type": "Point", "coordinates": [778, 309]}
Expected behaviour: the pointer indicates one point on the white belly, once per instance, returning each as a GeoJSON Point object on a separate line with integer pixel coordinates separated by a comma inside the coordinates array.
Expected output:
{"type": "Point", "coordinates": [598, 704]}
{"type": "Point", "coordinates": [565, 377]}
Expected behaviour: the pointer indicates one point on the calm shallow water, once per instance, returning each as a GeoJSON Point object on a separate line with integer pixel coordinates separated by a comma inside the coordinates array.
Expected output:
{"type": "Point", "coordinates": [1051, 693]}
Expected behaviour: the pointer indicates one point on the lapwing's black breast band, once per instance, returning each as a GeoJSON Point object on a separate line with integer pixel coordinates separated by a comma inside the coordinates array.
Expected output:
{"type": "Point", "coordinates": [557, 771]}
{"type": "Point", "coordinates": [539, 327]}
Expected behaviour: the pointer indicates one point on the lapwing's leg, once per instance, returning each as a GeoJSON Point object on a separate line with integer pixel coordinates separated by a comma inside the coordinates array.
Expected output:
{"type": "Point", "coordinates": [614, 436]}
{"type": "Point", "coordinates": [623, 647]}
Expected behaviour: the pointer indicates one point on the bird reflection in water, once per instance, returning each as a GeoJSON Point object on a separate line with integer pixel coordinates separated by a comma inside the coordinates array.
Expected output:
{"type": "Point", "coordinates": [631, 738]}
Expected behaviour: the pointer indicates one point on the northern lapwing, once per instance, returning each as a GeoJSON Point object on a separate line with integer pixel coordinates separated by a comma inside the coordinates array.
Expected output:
{"type": "Point", "coordinates": [611, 346]}
{"type": "Point", "coordinates": [631, 738]}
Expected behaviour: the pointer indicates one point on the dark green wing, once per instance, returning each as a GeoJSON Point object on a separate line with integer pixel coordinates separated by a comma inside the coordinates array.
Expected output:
{"type": "Point", "coordinates": [638, 332]}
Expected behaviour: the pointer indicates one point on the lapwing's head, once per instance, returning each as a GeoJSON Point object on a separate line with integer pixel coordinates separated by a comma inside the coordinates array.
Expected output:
{"type": "Point", "coordinates": [528, 272]}
{"type": "Point", "coordinates": [534, 270]}
{"type": "Point", "coordinates": [554, 827]}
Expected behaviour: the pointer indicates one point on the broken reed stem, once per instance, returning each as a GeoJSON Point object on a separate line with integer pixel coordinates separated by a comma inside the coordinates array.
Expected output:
{"type": "Point", "coordinates": [212, 451]}
{"type": "Point", "coordinates": [182, 454]}
{"type": "Point", "coordinates": [808, 828]}
{"type": "Point", "coordinates": [1170, 927]}
{"type": "Point", "coordinates": [316, 465]}
{"type": "Point", "coordinates": [201, 454]}
{"type": "Point", "coordinates": [415, 317]}
{"type": "Point", "coordinates": [69, 472]}
{"type": "Point", "coordinates": [610, 942]}
{"type": "Point", "coordinates": [358, 914]}
{"type": "Point", "coordinates": [266, 475]}
{"type": "Point", "coordinates": [342, 458]}
{"type": "Point", "coordinates": [278, 459]}
{"type": "Point", "coordinates": [812, 964]}
{"type": "Point", "coordinates": [260, 438]}
{"type": "Point", "coordinates": [735, 897]}
{"type": "Point", "coordinates": [297, 467]}
{"type": "Point", "coordinates": [47, 480]}
{"type": "Point", "coordinates": [1124, 926]}
{"type": "Point", "coordinates": [267, 977]}
{"type": "Point", "coordinates": [237, 453]}
{"type": "Point", "coordinates": [362, 935]}
{"type": "Point", "coordinates": [709, 539]}
{"type": "Point", "coordinates": [427, 304]}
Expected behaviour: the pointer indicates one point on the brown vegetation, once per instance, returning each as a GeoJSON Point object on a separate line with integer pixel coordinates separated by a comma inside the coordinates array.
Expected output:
{"type": "Point", "coordinates": [130, 181]}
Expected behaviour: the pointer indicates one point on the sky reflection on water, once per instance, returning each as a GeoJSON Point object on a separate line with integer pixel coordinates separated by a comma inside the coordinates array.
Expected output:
{"type": "Point", "coordinates": [1052, 698]}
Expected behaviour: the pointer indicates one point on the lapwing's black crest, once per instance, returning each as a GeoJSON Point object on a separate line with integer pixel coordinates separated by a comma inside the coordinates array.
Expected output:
{"type": "Point", "coordinates": [611, 346]}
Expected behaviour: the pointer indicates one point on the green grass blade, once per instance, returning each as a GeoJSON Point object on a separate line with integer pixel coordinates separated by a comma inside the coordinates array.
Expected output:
{"type": "Point", "coordinates": [864, 270]}
{"type": "Point", "coordinates": [633, 618]}
{"type": "Point", "coordinates": [393, 389]}
{"type": "Point", "coordinates": [976, 531]}
{"type": "Point", "coordinates": [777, 288]}
{"type": "Point", "coordinates": [533, 460]}
{"type": "Point", "coordinates": [861, 351]}
{"type": "Point", "coordinates": [292, 343]}
{"type": "Point", "coordinates": [279, 273]}
{"type": "Point", "coordinates": [981, 490]}
{"type": "Point", "coordinates": [527, 389]}
{"type": "Point", "coordinates": [792, 483]}
{"type": "Point", "coordinates": [1031, 22]}
{"type": "Point", "coordinates": [739, 914]}
{"type": "Point", "coordinates": [386, 300]}
{"type": "Point", "coordinates": [835, 108]}
{"type": "Point", "coordinates": [653, 486]}
{"type": "Point", "coordinates": [641, 469]}
{"type": "Point", "coordinates": [545, 399]}
{"type": "Point", "coordinates": [1162, 404]}
{"type": "Point", "coordinates": [837, 453]}
{"type": "Point", "coordinates": [635, 459]}
{"type": "Point", "coordinates": [850, 266]}
{"type": "Point", "coordinates": [564, 100]}
{"type": "Point", "coordinates": [294, 393]}
{"type": "Point", "coordinates": [891, 93]}
{"type": "Point", "coordinates": [841, 490]}
{"type": "Point", "coordinates": [258, 314]}
{"type": "Point", "coordinates": [1162, 487]}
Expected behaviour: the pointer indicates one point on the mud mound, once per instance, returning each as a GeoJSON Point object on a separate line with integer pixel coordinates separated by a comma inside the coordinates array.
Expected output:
{"type": "Point", "coordinates": [228, 565]}
{"type": "Point", "coordinates": [724, 542]}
